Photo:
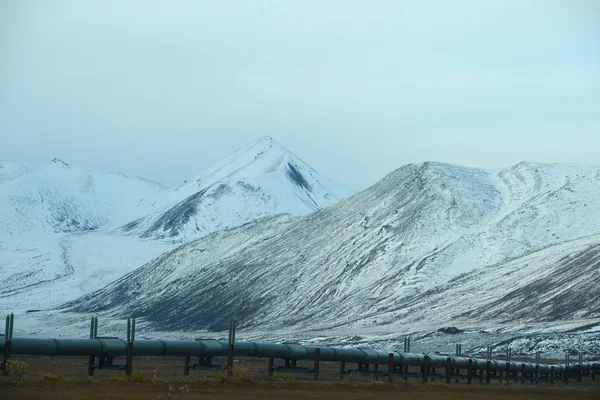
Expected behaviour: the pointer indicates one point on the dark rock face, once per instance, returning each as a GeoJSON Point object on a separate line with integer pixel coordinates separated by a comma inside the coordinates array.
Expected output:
{"type": "Point", "coordinates": [296, 176]}
{"type": "Point", "coordinates": [176, 217]}
{"type": "Point", "coordinates": [450, 330]}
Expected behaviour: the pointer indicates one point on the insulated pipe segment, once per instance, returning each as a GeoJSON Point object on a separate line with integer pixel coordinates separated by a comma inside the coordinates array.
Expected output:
{"type": "Point", "coordinates": [242, 349]}
{"type": "Point", "coordinates": [412, 359]}
{"type": "Point", "coordinates": [296, 352]}
{"type": "Point", "coordinates": [149, 348]}
{"type": "Point", "coordinates": [112, 347]}
{"type": "Point", "coordinates": [436, 360]}
{"type": "Point", "coordinates": [459, 362]}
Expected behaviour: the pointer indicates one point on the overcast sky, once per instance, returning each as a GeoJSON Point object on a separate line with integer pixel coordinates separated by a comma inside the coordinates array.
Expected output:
{"type": "Point", "coordinates": [354, 88]}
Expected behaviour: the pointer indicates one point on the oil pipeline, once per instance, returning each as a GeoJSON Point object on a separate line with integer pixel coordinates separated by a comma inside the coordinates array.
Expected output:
{"type": "Point", "coordinates": [102, 352]}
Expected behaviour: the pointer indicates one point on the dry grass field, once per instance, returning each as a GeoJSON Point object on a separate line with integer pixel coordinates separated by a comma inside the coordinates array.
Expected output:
{"type": "Point", "coordinates": [162, 378]}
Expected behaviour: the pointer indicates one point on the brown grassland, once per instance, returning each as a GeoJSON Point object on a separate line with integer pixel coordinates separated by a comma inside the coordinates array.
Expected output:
{"type": "Point", "coordinates": [162, 378]}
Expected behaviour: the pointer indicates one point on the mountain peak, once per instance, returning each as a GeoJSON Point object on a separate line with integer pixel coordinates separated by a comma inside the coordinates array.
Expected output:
{"type": "Point", "coordinates": [266, 140]}
{"type": "Point", "coordinates": [257, 158]}
{"type": "Point", "coordinates": [264, 144]}
{"type": "Point", "coordinates": [59, 162]}
{"type": "Point", "coordinates": [260, 179]}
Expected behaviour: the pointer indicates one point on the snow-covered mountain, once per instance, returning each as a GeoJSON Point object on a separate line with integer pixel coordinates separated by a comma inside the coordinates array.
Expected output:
{"type": "Point", "coordinates": [59, 198]}
{"type": "Point", "coordinates": [59, 235]}
{"type": "Point", "coordinates": [10, 170]}
{"type": "Point", "coordinates": [260, 179]}
{"type": "Point", "coordinates": [44, 214]}
{"type": "Point", "coordinates": [428, 246]}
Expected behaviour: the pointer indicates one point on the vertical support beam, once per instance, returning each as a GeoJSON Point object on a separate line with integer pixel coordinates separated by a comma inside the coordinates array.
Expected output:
{"type": "Point", "coordinates": [270, 366]}
{"type": "Point", "coordinates": [523, 373]}
{"type": "Point", "coordinates": [538, 361]}
{"type": "Point", "coordinates": [317, 361]}
{"type": "Point", "coordinates": [8, 334]}
{"type": "Point", "coordinates": [425, 368]}
{"type": "Point", "coordinates": [552, 375]}
{"type": "Point", "coordinates": [390, 373]}
{"type": "Point", "coordinates": [594, 367]}
{"type": "Point", "coordinates": [375, 367]}
{"type": "Point", "coordinates": [230, 347]}
{"type": "Point", "coordinates": [488, 371]}
{"type": "Point", "coordinates": [230, 359]}
{"type": "Point", "coordinates": [458, 354]}
{"type": "Point", "coordinates": [130, 340]}
{"type": "Point", "coordinates": [92, 328]}
{"type": "Point", "coordinates": [91, 367]}
{"type": "Point", "coordinates": [566, 372]}
{"type": "Point", "coordinates": [129, 365]}
{"type": "Point", "coordinates": [448, 368]}
{"type": "Point", "coordinates": [342, 369]}
{"type": "Point", "coordinates": [91, 360]}
{"type": "Point", "coordinates": [578, 373]}
{"type": "Point", "coordinates": [470, 372]}
{"type": "Point", "coordinates": [186, 365]}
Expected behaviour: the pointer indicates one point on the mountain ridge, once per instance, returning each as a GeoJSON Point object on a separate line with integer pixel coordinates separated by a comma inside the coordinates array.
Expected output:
{"type": "Point", "coordinates": [417, 228]}
{"type": "Point", "coordinates": [262, 178]}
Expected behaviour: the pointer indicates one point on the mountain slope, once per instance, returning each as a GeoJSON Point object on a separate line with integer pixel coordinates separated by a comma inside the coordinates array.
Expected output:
{"type": "Point", "coordinates": [10, 170]}
{"type": "Point", "coordinates": [364, 260]}
{"type": "Point", "coordinates": [261, 179]}
{"type": "Point", "coordinates": [58, 198]}
{"type": "Point", "coordinates": [59, 235]}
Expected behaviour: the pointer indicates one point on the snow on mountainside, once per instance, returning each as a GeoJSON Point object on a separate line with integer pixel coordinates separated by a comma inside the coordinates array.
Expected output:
{"type": "Point", "coordinates": [10, 170]}
{"type": "Point", "coordinates": [58, 198]}
{"type": "Point", "coordinates": [260, 179]}
{"type": "Point", "coordinates": [58, 223]}
{"type": "Point", "coordinates": [44, 211]}
{"type": "Point", "coordinates": [450, 244]}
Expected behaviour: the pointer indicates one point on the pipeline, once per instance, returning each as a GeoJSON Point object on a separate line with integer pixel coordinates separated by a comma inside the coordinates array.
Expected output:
{"type": "Point", "coordinates": [105, 348]}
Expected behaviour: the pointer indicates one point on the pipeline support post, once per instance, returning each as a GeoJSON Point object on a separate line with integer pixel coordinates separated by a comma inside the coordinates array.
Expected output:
{"type": "Point", "coordinates": [594, 367]}
{"type": "Point", "coordinates": [552, 375]}
{"type": "Point", "coordinates": [316, 365]}
{"type": "Point", "coordinates": [130, 340]}
{"type": "Point", "coordinates": [93, 335]}
{"type": "Point", "coordinates": [342, 369]}
{"type": "Point", "coordinates": [231, 347]}
{"type": "Point", "coordinates": [8, 334]}
{"type": "Point", "coordinates": [488, 372]}
{"type": "Point", "coordinates": [448, 369]}
{"type": "Point", "coordinates": [470, 371]}
{"type": "Point", "coordinates": [425, 368]}
{"type": "Point", "coordinates": [390, 373]}
{"type": "Point", "coordinates": [566, 372]}
{"type": "Point", "coordinates": [270, 366]}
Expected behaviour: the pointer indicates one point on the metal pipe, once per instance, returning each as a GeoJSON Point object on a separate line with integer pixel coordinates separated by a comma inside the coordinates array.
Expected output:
{"type": "Point", "coordinates": [112, 347]}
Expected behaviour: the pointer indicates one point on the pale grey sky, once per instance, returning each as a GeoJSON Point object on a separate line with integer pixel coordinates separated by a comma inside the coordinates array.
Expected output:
{"type": "Point", "coordinates": [163, 89]}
